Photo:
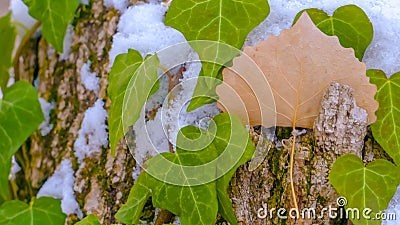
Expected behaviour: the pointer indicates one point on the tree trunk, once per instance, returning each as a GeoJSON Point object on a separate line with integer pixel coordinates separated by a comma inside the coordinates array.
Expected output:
{"type": "Point", "coordinates": [102, 183]}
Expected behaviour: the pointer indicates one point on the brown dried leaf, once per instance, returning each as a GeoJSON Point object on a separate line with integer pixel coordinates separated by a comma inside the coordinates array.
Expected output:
{"type": "Point", "coordinates": [299, 65]}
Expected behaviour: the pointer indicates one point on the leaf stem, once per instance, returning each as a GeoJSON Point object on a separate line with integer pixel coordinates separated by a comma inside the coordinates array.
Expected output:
{"type": "Point", "coordinates": [21, 46]}
{"type": "Point", "coordinates": [291, 175]}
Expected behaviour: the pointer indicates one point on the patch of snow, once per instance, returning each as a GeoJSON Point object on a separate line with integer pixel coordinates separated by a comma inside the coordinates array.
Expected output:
{"type": "Point", "coordinates": [150, 139]}
{"type": "Point", "coordinates": [90, 79]}
{"type": "Point", "coordinates": [85, 2]}
{"type": "Point", "coordinates": [19, 12]}
{"type": "Point", "coordinates": [119, 5]}
{"type": "Point", "coordinates": [176, 221]}
{"type": "Point", "coordinates": [394, 207]}
{"type": "Point", "coordinates": [61, 186]}
{"type": "Point", "coordinates": [36, 82]}
{"type": "Point", "coordinates": [174, 114]}
{"type": "Point", "coordinates": [141, 27]}
{"type": "Point", "coordinates": [136, 172]}
{"type": "Point", "coordinates": [15, 168]}
{"type": "Point", "coordinates": [45, 127]}
{"type": "Point", "coordinates": [67, 43]}
{"type": "Point", "coordinates": [299, 132]}
{"type": "Point", "coordinates": [384, 50]}
{"type": "Point", "coordinates": [93, 133]}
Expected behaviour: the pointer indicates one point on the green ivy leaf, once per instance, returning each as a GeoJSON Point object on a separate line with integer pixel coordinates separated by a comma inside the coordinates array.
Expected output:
{"type": "Point", "coordinates": [44, 210]}
{"type": "Point", "coordinates": [131, 211]}
{"type": "Point", "coordinates": [224, 21]}
{"type": "Point", "coordinates": [349, 23]}
{"type": "Point", "coordinates": [192, 182]}
{"type": "Point", "coordinates": [89, 220]}
{"type": "Point", "coordinates": [20, 116]}
{"type": "Point", "coordinates": [365, 187]}
{"type": "Point", "coordinates": [132, 81]}
{"type": "Point", "coordinates": [55, 17]}
{"type": "Point", "coordinates": [6, 46]}
{"type": "Point", "coordinates": [386, 129]}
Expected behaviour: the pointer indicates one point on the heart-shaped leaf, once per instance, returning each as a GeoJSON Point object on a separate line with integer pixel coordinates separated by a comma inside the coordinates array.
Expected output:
{"type": "Point", "coordinates": [386, 129]}
{"type": "Point", "coordinates": [349, 23]}
{"type": "Point", "coordinates": [132, 81]}
{"type": "Point", "coordinates": [44, 210]}
{"type": "Point", "coordinates": [20, 116]}
{"type": "Point", "coordinates": [55, 17]}
{"type": "Point", "coordinates": [89, 220]}
{"type": "Point", "coordinates": [193, 182]}
{"type": "Point", "coordinates": [224, 21]}
{"type": "Point", "coordinates": [365, 187]}
{"type": "Point", "coordinates": [7, 40]}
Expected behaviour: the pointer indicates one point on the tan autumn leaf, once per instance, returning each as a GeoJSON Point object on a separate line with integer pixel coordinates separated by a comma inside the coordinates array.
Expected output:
{"type": "Point", "coordinates": [299, 65]}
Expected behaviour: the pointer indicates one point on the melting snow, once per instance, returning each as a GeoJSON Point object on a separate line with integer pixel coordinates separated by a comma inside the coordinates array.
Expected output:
{"type": "Point", "coordinates": [61, 186]}
{"type": "Point", "coordinates": [45, 127]}
{"type": "Point", "coordinates": [90, 79]}
{"type": "Point", "coordinates": [93, 133]}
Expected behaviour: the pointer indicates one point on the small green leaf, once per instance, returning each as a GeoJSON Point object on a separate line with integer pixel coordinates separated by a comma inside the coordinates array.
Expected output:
{"type": "Point", "coordinates": [223, 21]}
{"type": "Point", "coordinates": [132, 81]}
{"type": "Point", "coordinates": [89, 220]}
{"type": "Point", "coordinates": [131, 211]}
{"type": "Point", "coordinates": [44, 210]}
{"type": "Point", "coordinates": [386, 129]}
{"type": "Point", "coordinates": [365, 187]}
{"type": "Point", "coordinates": [20, 116]}
{"type": "Point", "coordinates": [55, 17]}
{"type": "Point", "coordinates": [7, 40]}
{"type": "Point", "coordinates": [349, 23]}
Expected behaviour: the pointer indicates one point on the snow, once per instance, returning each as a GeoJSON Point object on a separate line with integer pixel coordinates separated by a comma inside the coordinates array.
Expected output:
{"type": "Point", "coordinates": [394, 207]}
{"type": "Point", "coordinates": [174, 113]}
{"type": "Point", "coordinates": [119, 5]}
{"type": "Point", "coordinates": [45, 127]}
{"type": "Point", "coordinates": [93, 133]}
{"type": "Point", "coordinates": [67, 43]}
{"type": "Point", "coordinates": [90, 79]}
{"type": "Point", "coordinates": [60, 185]}
{"type": "Point", "coordinates": [141, 27]}
{"type": "Point", "coordinates": [384, 51]}
{"type": "Point", "coordinates": [85, 2]}
{"type": "Point", "coordinates": [15, 168]}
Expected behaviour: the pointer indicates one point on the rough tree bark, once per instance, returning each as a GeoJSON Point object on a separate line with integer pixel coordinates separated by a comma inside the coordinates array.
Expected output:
{"type": "Point", "coordinates": [102, 182]}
